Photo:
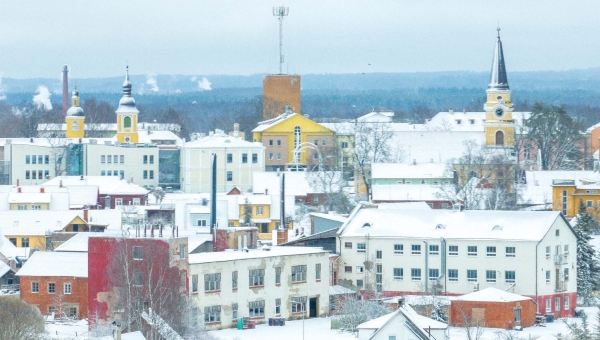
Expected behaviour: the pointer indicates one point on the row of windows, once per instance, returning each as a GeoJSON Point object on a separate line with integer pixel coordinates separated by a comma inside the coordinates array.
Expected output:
{"type": "Point", "coordinates": [148, 174]}
{"type": "Point", "coordinates": [557, 304]}
{"type": "Point", "coordinates": [256, 309]}
{"type": "Point", "coordinates": [26, 207]}
{"type": "Point", "coordinates": [35, 288]}
{"type": "Point", "coordinates": [37, 159]}
{"type": "Point", "coordinates": [564, 277]}
{"type": "Point", "coordinates": [134, 201]}
{"type": "Point", "coordinates": [471, 274]}
{"type": "Point", "coordinates": [256, 278]}
{"type": "Point", "coordinates": [114, 159]}
{"type": "Point", "coordinates": [24, 241]}
{"type": "Point", "coordinates": [434, 249]}
{"type": "Point", "coordinates": [244, 158]}
{"type": "Point", "coordinates": [37, 174]}
{"type": "Point", "coordinates": [112, 173]}
{"type": "Point", "coordinates": [559, 250]}
{"type": "Point", "coordinates": [315, 142]}
{"type": "Point", "coordinates": [148, 159]}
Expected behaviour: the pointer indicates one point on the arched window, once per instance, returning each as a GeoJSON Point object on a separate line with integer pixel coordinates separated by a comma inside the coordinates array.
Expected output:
{"type": "Point", "coordinates": [75, 126]}
{"type": "Point", "coordinates": [127, 122]}
{"type": "Point", "coordinates": [297, 141]}
{"type": "Point", "coordinates": [499, 138]}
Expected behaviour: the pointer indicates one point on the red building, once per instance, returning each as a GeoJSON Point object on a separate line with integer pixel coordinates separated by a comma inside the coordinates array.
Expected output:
{"type": "Point", "coordinates": [56, 282]}
{"type": "Point", "coordinates": [493, 308]}
{"type": "Point", "coordinates": [132, 274]}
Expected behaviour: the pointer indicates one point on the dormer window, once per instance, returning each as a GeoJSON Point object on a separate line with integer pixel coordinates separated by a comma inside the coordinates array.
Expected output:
{"type": "Point", "coordinates": [458, 121]}
{"type": "Point", "coordinates": [472, 121]}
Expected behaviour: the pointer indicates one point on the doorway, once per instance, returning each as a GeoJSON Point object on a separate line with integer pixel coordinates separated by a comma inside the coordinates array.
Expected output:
{"type": "Point", "coordinates": [312, 307]}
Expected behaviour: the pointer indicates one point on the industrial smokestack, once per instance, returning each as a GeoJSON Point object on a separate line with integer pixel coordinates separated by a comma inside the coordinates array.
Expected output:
{"type": "Point", "coordinates": [282, 202]}
{"type": "Point", "coordinates": [65, 103]}
{"type": "Point", "coordinates": [213, 193]}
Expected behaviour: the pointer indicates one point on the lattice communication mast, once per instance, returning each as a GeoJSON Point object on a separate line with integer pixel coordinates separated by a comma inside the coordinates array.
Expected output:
{"type": "Point", "coordinates": [280, 12]}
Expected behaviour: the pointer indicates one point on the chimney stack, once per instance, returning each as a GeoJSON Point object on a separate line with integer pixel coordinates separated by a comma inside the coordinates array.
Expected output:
{"type": "Point", "coordinates": [19, 189]}
{"type": "Point", "coordinates": [65, 98]}
{"type": "Point", "coordinates": [85, 215]}
{"type": "Point", "coordinates": [42, 190]}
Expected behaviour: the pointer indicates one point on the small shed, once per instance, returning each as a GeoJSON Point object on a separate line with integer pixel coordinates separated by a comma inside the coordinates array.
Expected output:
{"type": "Point", "coordinates": [402, 324]}
{"type": "Point", "coordinates": [492, 307]}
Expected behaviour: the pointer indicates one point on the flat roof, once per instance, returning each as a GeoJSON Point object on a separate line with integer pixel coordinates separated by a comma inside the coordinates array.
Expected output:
{"type": "Point", "coordinates": [232, 255]}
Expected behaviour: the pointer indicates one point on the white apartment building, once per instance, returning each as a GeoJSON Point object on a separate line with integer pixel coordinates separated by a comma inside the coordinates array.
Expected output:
{"type": "Point", "coordinates": [35, 160]}
{"type": "Point", "coordinates": [287, 282]}
{"type": "Point", "coordinates": [237, 159]}
{"type": "Point", "coordinates": [399, 252]}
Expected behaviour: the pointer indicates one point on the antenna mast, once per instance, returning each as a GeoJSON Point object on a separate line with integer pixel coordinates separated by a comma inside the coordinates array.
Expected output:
{"type": "Point", "coordinates": [280, 12]}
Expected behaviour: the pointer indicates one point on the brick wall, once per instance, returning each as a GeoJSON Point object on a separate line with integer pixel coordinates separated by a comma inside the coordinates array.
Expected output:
{"type": "Point", "coordinates": [43, 300]}
{"type": "Point", "coordinates": [494, 314]}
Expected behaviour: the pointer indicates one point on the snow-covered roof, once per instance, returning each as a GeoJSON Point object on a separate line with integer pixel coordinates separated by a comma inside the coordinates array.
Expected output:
{"type": "Point", "coordinates": [378, 322]}
{"type": "Point", "coordinates": [253, 254]}
{"type": "Point", "coordinates": [222, 140]}
{"type": "Point", "coordinates": [464, 121]}
{"type": "Point", "coordinates": [7, 249]}
{"type": "Point", "coordinates": [137, 335]}
{"type": "Point", "coordinates": [265, 124]}
{"type": "Point", "coordinates": [332, 217]}
{"type": "Point", "coordinates": [492, 294]}
{"type": "Point", "coordinates": [538, 186]}
{"type": "Point", "coordinates": [111, 185]}
{"type": "Point", "coordinates": [48, 263]}
{"type": "Point", "coordinates": [79, 242]}
{"type": "Point", "coordinates": [340, 290]}
{"type": "Point", "coordinates": [36, 222]}
{"type": "Point", "coordinates": [406, 192]}
{"type": "Point", "coordinates": [297, 183]}
{"type": "Point", "coordinates": [366, 219]}
{"type": "Point", "coordinates": [378, 117]}
{"type": "Point", "coordinates": [405, 206]}
{"type": "Point", "coordinates": [421, 321]}
{"type": "Point", "coordinates": [197, 240]}
{"type": "Point", "coordinates": [4, 268]}
{"type": "Point", "coordinates": [254, 199]}
{"type": "Point", "coordinates": [433, 146]}
{"type": "Point", "coordinates": [403, 170]}
{"type": "Point", "coordinates": [29, 197]}
{"type": "Point", "coordinates": [420, 300]}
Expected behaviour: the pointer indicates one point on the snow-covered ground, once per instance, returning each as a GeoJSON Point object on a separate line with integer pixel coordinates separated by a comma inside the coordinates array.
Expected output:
{"type": "Point", "coordinates": [319, 328]}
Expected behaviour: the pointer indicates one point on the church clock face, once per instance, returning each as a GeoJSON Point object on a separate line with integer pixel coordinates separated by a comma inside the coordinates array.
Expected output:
{"type": "Point", "coordinates": [499, 112]}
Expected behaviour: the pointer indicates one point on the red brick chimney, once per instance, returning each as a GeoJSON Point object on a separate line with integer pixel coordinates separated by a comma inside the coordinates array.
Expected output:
{"type": "Point", "coordinates": [85, 214]}
{"type": "Point", "coordinates": [19, 189]}
{"type": "Point", "coordinates": [42, 190]}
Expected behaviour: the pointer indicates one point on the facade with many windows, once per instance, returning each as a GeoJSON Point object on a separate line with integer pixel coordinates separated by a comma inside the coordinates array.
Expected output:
{"type": "Point", "coordinates": [237, 159]}
{"type": "Point", "coordinates": [287, 282]}
{"type": "Point", "coordinates": [456, 253]}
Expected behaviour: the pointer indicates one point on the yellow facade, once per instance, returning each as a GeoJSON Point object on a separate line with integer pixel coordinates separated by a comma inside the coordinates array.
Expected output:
{"type": "Point", "coordinates": [566, 198]}
{"type": "Point", "coordinates": [39, 241]}
{"type": "Point", "coordinates": [499, 126]}
{"type": "Point", "coordinates": [29, 206]}
{"type": "Point", "coordinates": [286, 127]}
{"type": "Point", "coordinates": [75, 127]}
{"type": "Point", "coordinates": [127, 128]}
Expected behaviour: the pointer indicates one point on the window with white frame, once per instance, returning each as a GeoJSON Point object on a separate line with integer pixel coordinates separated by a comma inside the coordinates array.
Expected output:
{"type": "Point", "coordinates": [378, 254]}
{"type": "Point", "coordinates": [434, 249]}
{"type": "Point", "coordinates": [298, 274]}
{"type": "Point", "coordinates": [277, 275]}
{"type": "Point", "coordinates": [547, 276]}
{"type": "Point", "coordinates": [452, 250]}
{"type": "Point", "coordinates": [517, 315]}
{"type": "Point", "coordinates": [415, 249]}
{"type": "Point", "coordinates": [67, 288]}
{"type": "Point", "coordinates": [212, 314]}
{"type": "Point", "coordinates": [472, 251]}
{"type": "Point", "coordinates": [361, 247]}
{"type": "Point", "coordinates": [118, 201]}
{"type": "Point", "coordinates": [182, 251]}
{"type": "Point", "coordinates": [471, 275]}
{"type": "Point", "coordinates": [415, 274]}
{"type": "Point", "coordinates": [548, 252]}
{"type": "Point", "coordinates": [433, 274]}
{"type": "Point", "coordinates": [398, 249]}
{"type": "Point", "coordinates": [234, 279]}
{"type": "Point", "coordinates": [360, 269]}
{"type": "Point", "coordinates": [490, 251]}
{"type": "Point", "coordinates": [256, 277]}
{"type": "Point", "coordinates": [259, 210]}
{"type": "Point", "coordinates": [277, 306]}
{"type": "Point", "coordinates": [318, 271]}
{"type": "Point", "coordinates": [510, 251]}
{"type": "Point", "coordinates": [136, 201]}
{"type": "Point", "coordinates": [453, 275]}
{"type": "Point", "coordinates": [557, 304]}
{"type": "Point", "coordinates": [509, 276]}
{"type": "Point", "coordinates": [212, 282]}
{"type": "Point", "coordinates": [298, 304]}
{"type": "Point", "coordinates": [35, 287]}
{"type": "Point", "coordinates": [490, 276]}
{"type": "Point", "coordinates": [398, 273]}
{"type": "Point", "coordinates": [566, 303]}
{"type": "Point", "coordinates": [548, 306]}
{"type": "Point", "coordinates": [234, 311]}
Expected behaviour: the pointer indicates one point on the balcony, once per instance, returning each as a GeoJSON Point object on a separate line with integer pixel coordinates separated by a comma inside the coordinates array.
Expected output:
{"type": "Point", "coordinates": [560, 259]}
{"type": "Point", "coordinates": [561, 286]}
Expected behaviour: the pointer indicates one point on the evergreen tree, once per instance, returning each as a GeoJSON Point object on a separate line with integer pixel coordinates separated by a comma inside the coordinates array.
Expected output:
{"type": "Point", "coordinates": [438, 310]}
{"type": "Point", "coordinates": [588, 266]}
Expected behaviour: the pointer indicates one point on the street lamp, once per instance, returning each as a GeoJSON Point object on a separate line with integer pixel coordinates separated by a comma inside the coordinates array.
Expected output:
{"type": "Point", "coordinates": [303, 312]}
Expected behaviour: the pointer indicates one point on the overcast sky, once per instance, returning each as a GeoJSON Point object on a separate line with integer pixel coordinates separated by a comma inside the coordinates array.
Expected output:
{"type": "Point", "coordinates": [97, 38]}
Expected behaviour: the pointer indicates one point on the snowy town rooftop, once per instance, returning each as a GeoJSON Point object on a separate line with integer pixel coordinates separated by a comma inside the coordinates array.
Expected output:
{"type": "Point", "coordinates": [110, 185]}
{"type": "Point", "coordinates": [231, 255]}
{"type": "Point", "coordinates": [492, 294]}
{"type": "Point", "coordinates": [48, 263]}
{"type": "Point", "coordinates": [367, 219]}
{"type": "Point", "coordinates": [219, 139]}
{"type": "Point", "coordinates": [400, 170]}
{"type": "Point", "coordinates": [297, 183]}
{"type": "Point", "coordinates": [37, 222]}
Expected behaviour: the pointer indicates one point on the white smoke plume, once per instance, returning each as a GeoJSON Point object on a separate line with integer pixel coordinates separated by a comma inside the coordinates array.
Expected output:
{"type": "Point", "coordinates": [42, 98]}
{"type": "Point", "coordinates": [151, 80]}
{"type": "Point", "coordinates": [204, 84]}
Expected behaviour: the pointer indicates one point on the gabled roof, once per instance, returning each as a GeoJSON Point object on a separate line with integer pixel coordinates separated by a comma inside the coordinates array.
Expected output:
{"type": "Point", "coordinates": [48, 263]}
{"type": "Point", "coordinates": [36, 222]}
{"type": "Point", "coordinates": [4, 268]}
{"type": "Point", "coordinates": [222, 140]}
{"type": "Point", "coordinates": [268, 124]}
{"type": "Point", "coordinates": [492, 294]}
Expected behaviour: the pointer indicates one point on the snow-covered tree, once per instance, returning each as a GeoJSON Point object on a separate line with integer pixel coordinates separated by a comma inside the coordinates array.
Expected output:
{"type": "Point", "coordinates": [247, 212]}
{"type": "Point", "coordinates": [353, 311]}
{"type": "Point", "coordinates": [438, 310]}
{"type": "Point", "coordinates": [581, 331]}
{"type": "Point", "coordinates": [588, 266]}
{"type": "Point", "coordinates": [158, 194]}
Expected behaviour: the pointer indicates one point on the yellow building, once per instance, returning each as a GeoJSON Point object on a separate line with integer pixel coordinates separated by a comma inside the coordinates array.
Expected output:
{"type": "Point", "coordinates": [294, 141]}
{"type": "Point", "coordinates": [567, 195]}
{"type": "Point", "coordinates": [75, 118]}
{"type": "Point", "coordinates": [499, 126]}
{"type": "Point", "coordinates": [263, 210]}
{"type": "Point", "coordinates": [32, 231]}
{"type": "Point", "coordinates": [127, 115]}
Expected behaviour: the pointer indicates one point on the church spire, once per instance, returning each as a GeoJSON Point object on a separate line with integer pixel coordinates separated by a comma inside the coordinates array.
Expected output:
{"type": "Point", "coordinates": [498, 78]}
{"type": "Point", "coordinates": [127, 83]}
